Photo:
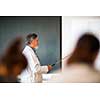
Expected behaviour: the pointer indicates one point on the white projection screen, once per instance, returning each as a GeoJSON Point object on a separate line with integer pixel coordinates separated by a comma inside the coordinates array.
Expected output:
{"type": "Point", "coordinates": [72, 29]}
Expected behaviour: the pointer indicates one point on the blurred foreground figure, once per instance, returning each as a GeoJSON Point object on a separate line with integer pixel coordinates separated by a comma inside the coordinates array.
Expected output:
{"type": "Point", "coordinates": [80, 65]}
{"type": "Point", "coordinates": [13, 62]}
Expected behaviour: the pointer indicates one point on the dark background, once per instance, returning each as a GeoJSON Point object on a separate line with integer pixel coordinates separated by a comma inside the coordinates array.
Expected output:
{"type": "Point", "coordinates": [47, 28]}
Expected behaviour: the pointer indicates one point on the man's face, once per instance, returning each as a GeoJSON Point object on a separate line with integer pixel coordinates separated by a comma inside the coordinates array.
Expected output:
{"type": "Point", "coordinates": [35, 42]}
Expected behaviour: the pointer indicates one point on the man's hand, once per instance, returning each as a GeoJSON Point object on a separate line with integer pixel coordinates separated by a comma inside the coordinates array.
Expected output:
{"type": "Point", "coordinates": [49, 67]}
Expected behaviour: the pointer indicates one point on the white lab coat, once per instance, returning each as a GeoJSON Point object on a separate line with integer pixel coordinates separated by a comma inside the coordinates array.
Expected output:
{"type": "Point", "coordinates": [33, 72]}
{"type": "Point", "coordinates": [77, 73]}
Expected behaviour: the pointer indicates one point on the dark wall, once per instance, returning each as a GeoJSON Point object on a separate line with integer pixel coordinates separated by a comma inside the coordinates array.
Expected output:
{"type": "Point", "coordinates": [48, 29]}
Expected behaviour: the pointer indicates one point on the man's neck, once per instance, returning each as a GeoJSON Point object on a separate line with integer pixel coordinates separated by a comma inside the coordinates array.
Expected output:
{"type": "Point", "coordinates": [31, 46]}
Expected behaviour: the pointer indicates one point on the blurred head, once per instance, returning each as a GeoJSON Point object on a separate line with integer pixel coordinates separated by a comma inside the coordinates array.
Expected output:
{"type": "Point", "coordinates": [13, 59]}
{"type": "Point", "coordinates": [14, 47]}
{"type": "Point", "coordinates": [86, 49]}
{"type": "Point", "coordinates": [32, 40]}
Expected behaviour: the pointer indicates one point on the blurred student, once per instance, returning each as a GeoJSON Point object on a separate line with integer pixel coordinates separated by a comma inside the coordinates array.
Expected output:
{"type": "Point", "coordinates": [34, 71]}
{"type": "Point", "coordinates": [3, 72]}
{"type": "Point", "coordinates": [13, 62]}
{"type": "Point", "coordinates": [80, 65]}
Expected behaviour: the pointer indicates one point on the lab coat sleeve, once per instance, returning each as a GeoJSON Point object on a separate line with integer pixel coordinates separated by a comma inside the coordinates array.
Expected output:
{"type": "Point", "coordinates": [42, 69]}
{"type": "Point", "coordinates": [33, 65]}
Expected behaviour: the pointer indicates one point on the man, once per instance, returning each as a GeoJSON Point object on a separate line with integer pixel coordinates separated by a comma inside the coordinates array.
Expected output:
{"type": "Point", "coordinates": [34, 71]}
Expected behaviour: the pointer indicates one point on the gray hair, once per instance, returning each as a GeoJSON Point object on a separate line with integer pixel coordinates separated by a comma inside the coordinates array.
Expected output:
{"type": "Point", "coordinates": [30, 37]}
